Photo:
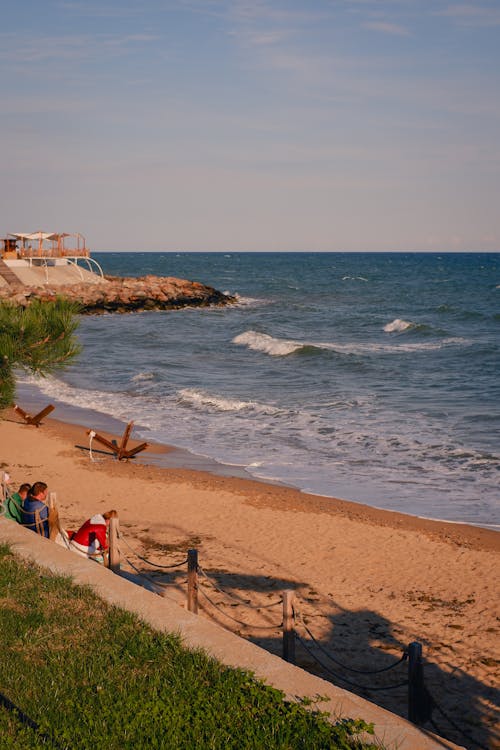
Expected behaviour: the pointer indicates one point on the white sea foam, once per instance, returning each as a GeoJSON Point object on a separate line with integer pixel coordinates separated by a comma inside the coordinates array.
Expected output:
{"type": "Point", "coordinates": [275, 347]}
{"type": "Point", "coordinates": [261, 342]}
{"type": "Point", "coordinates": [143, 376]}
{"type": "Point", "coordinates": [201, 400]}
{"type": "Point", "coordinates": [112, 404]}
{"type": "Point", "coordinates": [248, 301]}
{"type": "Point", "coordinates": [422, 346]}
{"type": "Point", "coordinates": [354, 278]}
{"type": "Point", "coordinates": [306, 446]}
{"type": "Point", "coordinates": [397, 325]}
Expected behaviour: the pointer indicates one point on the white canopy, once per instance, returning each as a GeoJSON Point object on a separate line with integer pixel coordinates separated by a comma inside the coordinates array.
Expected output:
{"type": "Point", "coordinates": [36, 235]}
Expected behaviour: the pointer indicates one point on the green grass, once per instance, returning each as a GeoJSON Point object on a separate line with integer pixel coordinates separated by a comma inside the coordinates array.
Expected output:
{"type": "Point", "coordinates": [94, 676]}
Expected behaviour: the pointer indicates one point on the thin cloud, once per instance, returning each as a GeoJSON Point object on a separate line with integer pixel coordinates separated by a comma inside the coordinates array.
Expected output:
{"type": "Point", "coordinates": [265, 12]}
{"type": "Point", "coordinates": [260, 38]}
{"type": "Point", "coordinates": [255, 12]}
{"type": "Point", "coordinates": [471, 15]}
{"type": "Point", "coordinates": [39, 48]}
{"type": "Point", "coordinates": [125, 40]}
{"type": "Point", "coordinates": [386, 28]}
{"type": "Point", "coordinates": [98, 10]}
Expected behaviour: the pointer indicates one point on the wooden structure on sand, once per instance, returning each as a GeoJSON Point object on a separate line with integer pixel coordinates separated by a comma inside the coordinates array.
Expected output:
{"type": "Point", "coordinates": [120, 451]}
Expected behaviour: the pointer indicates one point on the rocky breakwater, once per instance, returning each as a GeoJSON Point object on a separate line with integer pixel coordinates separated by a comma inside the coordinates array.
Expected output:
{"type": "Point", "coordinates": [122, 295]}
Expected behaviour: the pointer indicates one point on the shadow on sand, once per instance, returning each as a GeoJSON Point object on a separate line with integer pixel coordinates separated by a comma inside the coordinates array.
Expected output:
{"type": "Point", "coordinates": [463, 709]}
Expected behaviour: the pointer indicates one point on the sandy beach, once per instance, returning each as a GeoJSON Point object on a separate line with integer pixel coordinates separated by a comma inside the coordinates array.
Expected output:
{"type": "Point", "coordinates": [367, 581]}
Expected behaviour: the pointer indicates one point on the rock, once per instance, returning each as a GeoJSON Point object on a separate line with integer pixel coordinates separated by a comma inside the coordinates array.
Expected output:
{"type": "Point", "coordinates": [116, 294]}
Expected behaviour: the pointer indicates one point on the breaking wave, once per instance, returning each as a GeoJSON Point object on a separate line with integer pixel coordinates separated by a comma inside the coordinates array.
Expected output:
{"type": "Point", "coordinates": [114, 404]}
{"type": "Point", "coordinates": [397, 325]}
{"type": "Point", "coordinates": [143, 376]}
{"type": "Point", "coordinates": [261, 342]}
{"type": "Point", "coordinates": [201, 400]}
{"type": "Point", "coordinates": [275, 347]}
{"type": "Point", "coordinates": [242, 301]}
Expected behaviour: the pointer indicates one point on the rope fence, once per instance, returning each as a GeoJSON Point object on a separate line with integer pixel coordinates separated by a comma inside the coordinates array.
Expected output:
{"type": "Point", "coordinates": [420, 703]}
{"type": "Point", "coordinates": [299, 618]}
{"type": "Point", "coordinates": [337, 676]}
{"type": "Point", "coordinates": [235, 598]}
{"type": "Point", "coordinates": [239, 622]}
{"type": "Point", "coordinates": [455, 726]}
{"type": "Point", "coordinates": [299, 621]}
{"type": "Point", "coordinates": [291, 621]}
{"type": "Point", "coordinates": [150, 562]}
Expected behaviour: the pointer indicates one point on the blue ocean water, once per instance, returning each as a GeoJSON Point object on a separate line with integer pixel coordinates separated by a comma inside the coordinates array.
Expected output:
{"type": "Point", "coordinates": [368, 376]}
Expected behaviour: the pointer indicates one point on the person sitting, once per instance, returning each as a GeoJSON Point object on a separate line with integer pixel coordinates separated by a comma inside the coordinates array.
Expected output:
{"type": "Point", "coordinates": [91, 539]}
{"type": "Point", "coordinates": [34, 510]}
{"type": "Point", "coordinates": [13, 503]}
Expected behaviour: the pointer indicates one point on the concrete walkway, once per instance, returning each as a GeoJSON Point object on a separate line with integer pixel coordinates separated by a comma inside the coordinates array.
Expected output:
{"type": "Point", "coordinates": [391, 731]}
{"type": "Point", "coordinates": [25, 275]}
{"type": "Point", "coordinates": [7, 276]}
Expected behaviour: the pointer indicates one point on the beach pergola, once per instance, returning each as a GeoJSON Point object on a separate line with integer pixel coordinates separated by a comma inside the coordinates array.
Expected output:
{"type": "Point", "coordinates": [48, 244]}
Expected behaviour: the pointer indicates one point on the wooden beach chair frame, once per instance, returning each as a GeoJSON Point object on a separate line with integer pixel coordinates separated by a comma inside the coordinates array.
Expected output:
{"type": "Point", "coordinates": [34, 419]}
{"type": "Point", "coordinates": [120, 451]}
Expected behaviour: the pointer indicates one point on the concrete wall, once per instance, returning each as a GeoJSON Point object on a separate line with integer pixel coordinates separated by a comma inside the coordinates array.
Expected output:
{"type": "Point", "coordinates": [197, 632]}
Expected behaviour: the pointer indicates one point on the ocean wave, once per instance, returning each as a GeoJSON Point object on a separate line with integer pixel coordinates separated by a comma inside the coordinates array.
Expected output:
{"type": "Point", "coordinates": [143, 376]}
{"type": "Point", "coordinates": [354, 278]}
{"type": "Point", "coordinates": [248, 301]}
{"type": "Point", "coordinates": [275, 347]}
{"type": "Point", "coordinates": [317, 447]}
{"type": "Point", "coordinates": [397, 325]}
{"type": "Point", "coordinates": [428, 346]}
{"type": "Point", "coordinates": [262, 342]}
{"type": "Point", "coordinates": [113, 404]}
{"type": "Point", "coordinates": [202, 400]}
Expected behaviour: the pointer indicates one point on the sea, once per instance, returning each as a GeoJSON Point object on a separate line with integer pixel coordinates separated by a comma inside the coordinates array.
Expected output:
{"type": "Point", "coordinates": [372, 377]}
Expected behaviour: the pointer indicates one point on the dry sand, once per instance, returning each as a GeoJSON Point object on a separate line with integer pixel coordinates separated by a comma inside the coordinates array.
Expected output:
{"type": "Point", "coordinates": [368, 582]}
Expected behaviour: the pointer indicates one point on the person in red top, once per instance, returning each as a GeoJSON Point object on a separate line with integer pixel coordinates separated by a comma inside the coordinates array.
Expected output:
{"type": "Point", "coordinates": [91, 539]}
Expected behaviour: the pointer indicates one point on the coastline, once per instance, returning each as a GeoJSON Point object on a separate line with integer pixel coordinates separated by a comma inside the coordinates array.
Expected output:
{"type": "Point", "coordinates": [75, 420]}
{"type": "Point", "coordinates": [369, 581]}
{"type": "Point", "coordinates": [182, 465]}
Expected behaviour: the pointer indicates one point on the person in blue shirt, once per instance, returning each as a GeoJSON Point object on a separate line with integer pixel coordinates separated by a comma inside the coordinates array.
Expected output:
{"type": "Point", "coordinates": [35, 511]}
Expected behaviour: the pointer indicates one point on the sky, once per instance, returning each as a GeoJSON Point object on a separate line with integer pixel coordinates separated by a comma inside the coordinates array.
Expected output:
{"type": "Point", "coordinates": [262, 125]}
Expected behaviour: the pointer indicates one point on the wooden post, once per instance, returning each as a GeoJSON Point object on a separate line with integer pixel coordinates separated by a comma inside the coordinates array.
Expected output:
{"type": "Point", "coordinates": [5, 487]}
{"type": "Point", "coordinates": [114, 550]}
{"type": "Point", "coordinates": [123, 445]}
{"type": "Point", "coordinates": [37, 419]}
{"type": "Point", "coordinates": [192, 592]}
{"type": "Point", "coordinates": [53, 516]}
{"type": "Point", "coordinates": [120, 451]}
{"type": "Point", "coordinates": [416, 694]}
{"type": "Point", "coordinates": [288, 628]}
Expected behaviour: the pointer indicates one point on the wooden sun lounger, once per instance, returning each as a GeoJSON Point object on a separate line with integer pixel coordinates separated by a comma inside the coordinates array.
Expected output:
{"type": "Point", "coordinates": [120, 451]}
{"type": "Point", "coordinates": [37, 418]}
